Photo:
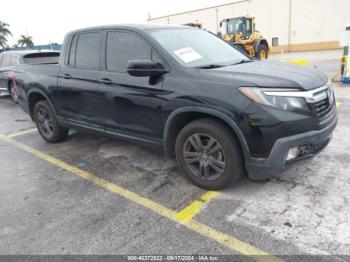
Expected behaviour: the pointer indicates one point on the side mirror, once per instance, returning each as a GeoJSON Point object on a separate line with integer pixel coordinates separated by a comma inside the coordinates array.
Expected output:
{"type": "Point", "coordinates": [144, 67]}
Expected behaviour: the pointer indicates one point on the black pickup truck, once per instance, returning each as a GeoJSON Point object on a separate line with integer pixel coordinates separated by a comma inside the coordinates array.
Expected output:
{"type": "Point", "coordinates": [186, 92]}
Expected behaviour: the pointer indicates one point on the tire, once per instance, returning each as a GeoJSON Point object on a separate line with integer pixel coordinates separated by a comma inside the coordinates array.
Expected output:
{"type": "Point", "coordinates": [47, 124]}
{"type": "Point", "coordinates": [13, 91]}
{"type": "Point", "coordinates": [263, 49]}
{"type": "Point", "coordinates": [216, 164]}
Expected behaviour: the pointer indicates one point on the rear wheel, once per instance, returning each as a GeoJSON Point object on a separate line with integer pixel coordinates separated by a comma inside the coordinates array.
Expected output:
{"type": "Point", "coordinates": [208, 154]}
{"type": "Point", "coordinates": [263, 52]}
{"type": "Point", "coordinates": [14, 92]}
{"type": "Point", "coordinates": [47, 124]}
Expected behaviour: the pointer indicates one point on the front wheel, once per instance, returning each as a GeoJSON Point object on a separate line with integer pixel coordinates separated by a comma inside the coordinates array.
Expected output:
{"type": "Point", "coordinates": [209, 154]}
{"type": "Point", "coordinates": [47, 124]}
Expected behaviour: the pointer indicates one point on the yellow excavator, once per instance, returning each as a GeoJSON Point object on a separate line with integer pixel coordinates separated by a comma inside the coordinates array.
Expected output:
{"type": "Point", "coordinates": [240, 32]}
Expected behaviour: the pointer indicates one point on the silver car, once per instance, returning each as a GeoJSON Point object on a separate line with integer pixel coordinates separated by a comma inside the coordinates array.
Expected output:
{"type": "Point", "coordinates": [10, 59]}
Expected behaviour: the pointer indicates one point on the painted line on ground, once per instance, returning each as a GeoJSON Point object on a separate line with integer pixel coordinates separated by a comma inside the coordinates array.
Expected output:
{"type": "Point", "coordinates": [196, 206]}
{"type": "Point", "coordinates": [23, 132]}
{"type": "Point", "coordinates": [204, 230]}
{"type": "Point", "coordinates": [298, 62]}
{"type": "Point", "coordinates": [339, 104]}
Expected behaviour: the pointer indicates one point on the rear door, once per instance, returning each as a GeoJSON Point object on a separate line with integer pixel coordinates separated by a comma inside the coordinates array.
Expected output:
{"type": "Point", "coordinates": [129, 104]}
{"type": "Point", "coordinates": [76, 95]}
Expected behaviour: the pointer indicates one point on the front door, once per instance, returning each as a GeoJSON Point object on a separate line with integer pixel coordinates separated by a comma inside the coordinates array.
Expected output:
{"type": "Point", "coordinates": [130, 105]}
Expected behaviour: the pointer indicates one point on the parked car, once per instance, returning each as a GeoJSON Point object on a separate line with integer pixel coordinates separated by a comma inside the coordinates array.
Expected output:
{"type": "Point", "coordinates": [185, 91]}
{"type": "Point", "coordinates": [11, 59]}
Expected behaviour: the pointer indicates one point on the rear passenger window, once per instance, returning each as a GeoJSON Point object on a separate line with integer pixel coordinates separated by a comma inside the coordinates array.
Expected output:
{"type": "Point", "coordinates": [122, 47]}
{"type": "Point", "coordinates": [88, 51]}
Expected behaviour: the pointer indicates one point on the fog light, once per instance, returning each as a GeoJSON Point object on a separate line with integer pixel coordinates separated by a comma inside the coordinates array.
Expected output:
{"type": "Point", "coordinates": [293, 153]}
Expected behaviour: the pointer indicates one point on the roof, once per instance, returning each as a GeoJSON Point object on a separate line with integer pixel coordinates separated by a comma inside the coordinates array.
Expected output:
{"type": "Point", "coordinates": [239, 17]}
{"type": "Point", "coordinates": [129, 26]}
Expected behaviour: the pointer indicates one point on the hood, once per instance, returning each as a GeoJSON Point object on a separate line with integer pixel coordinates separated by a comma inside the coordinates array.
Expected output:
{"type": "Point", "coordinates": [269, 73]}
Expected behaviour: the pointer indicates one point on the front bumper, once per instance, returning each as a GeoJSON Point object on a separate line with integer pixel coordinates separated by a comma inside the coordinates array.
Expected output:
{"type": "Point", "coordinates": [276, 163]}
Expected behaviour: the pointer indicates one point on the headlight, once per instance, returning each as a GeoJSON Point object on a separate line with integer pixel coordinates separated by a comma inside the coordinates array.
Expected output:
{"type": "Point", "coordinates": [270, 97]}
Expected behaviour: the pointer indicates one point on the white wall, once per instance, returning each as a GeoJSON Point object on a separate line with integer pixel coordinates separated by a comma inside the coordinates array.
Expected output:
{"type": "Point", "coordinates": [319, 20]}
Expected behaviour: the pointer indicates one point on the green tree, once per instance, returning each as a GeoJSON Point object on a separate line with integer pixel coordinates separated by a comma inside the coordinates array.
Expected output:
{"type": "Point", "coordinates": [4, 33]}
{"type": "Point", "coordinates": [26, 41]}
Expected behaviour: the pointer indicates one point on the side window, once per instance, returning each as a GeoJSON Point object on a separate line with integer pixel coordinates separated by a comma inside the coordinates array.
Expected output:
{"type": "Point", "coordinates": [73, 48]}
{"type": "Point", "coordinates": [88, 51]}
{"type": "Point", "coordinates": [122, 47]}
{"type": "Point", "coordinates": [249, 27]}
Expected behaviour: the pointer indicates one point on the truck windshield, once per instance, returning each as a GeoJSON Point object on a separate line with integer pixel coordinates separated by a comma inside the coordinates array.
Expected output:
{"type": "Point", "coordinates": [235, 26]}
{"type": "Point", "coordinates": [197, 48]}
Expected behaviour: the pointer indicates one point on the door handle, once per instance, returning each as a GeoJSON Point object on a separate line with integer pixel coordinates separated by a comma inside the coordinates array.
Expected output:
{"type": "Point", "coordinates": [106, 81]}
{"type": "Point", "coordinates": [67, 76]}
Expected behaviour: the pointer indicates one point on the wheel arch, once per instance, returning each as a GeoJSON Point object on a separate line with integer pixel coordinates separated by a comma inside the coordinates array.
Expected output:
{"type": "Point", "coordinates": [35, 95]}
{"type": "Point", "coordinates": [181, 117]}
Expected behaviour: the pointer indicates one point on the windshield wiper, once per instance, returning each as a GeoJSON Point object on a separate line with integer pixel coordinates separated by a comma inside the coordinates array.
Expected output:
{"type": "Point", "coordinates": [243, 61]}
{"type": "Point", "coordinates": [209, 66]}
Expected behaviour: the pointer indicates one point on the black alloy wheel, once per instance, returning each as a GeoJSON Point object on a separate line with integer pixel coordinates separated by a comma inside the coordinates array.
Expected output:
{"type": "Point", "coordinates": [47, 124]}
{"type": "Point", "coordinates": [204, 156]}
{"type": "Point", "coordinates": [44, 121]}
{"type": "Point", "coordinates": [209, 154]}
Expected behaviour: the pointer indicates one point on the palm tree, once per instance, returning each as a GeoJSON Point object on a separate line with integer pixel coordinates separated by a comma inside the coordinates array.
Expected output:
{"type": "Point", "coordinates": [26, 41]}
{"type": "Point", "coordinates": [4, 33]}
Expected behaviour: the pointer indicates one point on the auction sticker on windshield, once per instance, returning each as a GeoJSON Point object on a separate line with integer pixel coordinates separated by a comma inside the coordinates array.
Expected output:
{"type": "Point", "coordinates": [187, 54]}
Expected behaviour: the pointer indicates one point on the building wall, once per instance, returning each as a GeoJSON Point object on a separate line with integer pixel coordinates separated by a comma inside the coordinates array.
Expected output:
{"type": "Point", "coordinates": [299, 25]}
{"type": "Point", "coordinates": [318, 21]}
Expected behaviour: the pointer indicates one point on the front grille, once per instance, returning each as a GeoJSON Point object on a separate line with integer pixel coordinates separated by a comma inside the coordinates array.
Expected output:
{"type": "Point", "coordinates": [322, 108]}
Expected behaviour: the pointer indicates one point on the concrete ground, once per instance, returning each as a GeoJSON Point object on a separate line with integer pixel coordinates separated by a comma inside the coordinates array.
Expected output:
{"type": "Point", "coordinates": [327, 61]}
{"type": "Point", "coordinates": [77, 198]}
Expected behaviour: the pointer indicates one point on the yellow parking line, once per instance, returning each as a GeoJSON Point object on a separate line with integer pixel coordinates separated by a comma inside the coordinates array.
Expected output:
{"type": "Point", "coordinates": [21, 133]}
{"type": "Point", "coordinates": [338, 104]}
{"type": "Point", "coordinates": [209, 232]}
{"type": "Point", "coordinates": [298, 62]}
{"type": "Point", "coordinates": [195, 207]}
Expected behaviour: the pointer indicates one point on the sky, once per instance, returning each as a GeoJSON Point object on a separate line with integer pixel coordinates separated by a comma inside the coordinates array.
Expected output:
{"type": "Point", "coordinates": [48, 21]}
